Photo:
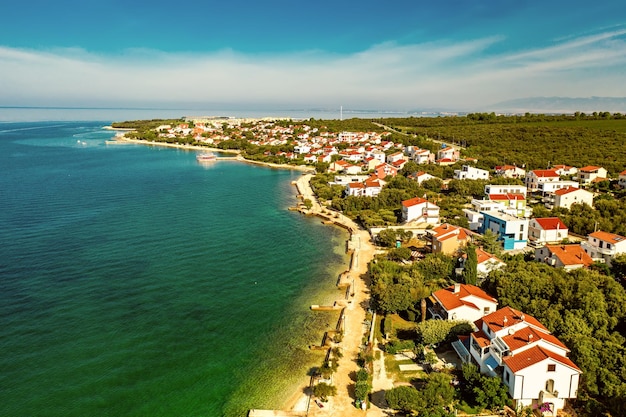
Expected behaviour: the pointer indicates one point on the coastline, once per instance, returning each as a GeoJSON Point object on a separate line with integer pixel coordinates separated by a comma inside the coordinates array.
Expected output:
{"type": "Point", "coordinates": [356, 273]}
{"type": "Point", "coordinates": [124, 139]}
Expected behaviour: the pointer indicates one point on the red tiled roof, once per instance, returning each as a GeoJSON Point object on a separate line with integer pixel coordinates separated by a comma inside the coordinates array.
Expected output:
{"type": "Point", "coordinates": [567, 190]}
{"type": "Point", "coordinates": [483, 256]}
{"type": "Point", "coordinates": [534, 356]}
{"type": "Point", "coordinates": [506, 197]}
{"type": "Point", "coordinates": [589, 168]}
{"type": "Point", "coordinates": [570, 254]}
{"type": "Point", "coordinates": [608, 237]}
{"type": "Point", "coordinates": [551, 223]}
{"type": "Point", "coordinates": [528, 335]}
{"type": "Point", "coordinates": [481, 338]}
{"type": "Point", "coordinates": [495, 320]}
{"type": "Point", "coordinates": [414, 201]}
{"type": "Point", "coordinates": [545, 173]}
{"type": "Point", "coordinates": [451, 300]}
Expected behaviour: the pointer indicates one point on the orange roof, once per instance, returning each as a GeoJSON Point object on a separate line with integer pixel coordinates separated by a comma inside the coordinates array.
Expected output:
{"type": "Point", "coordinates": [570, 254]}
{"type": "Point", "coordinates": [527, 335]}
{"type": "Point", "coordinates": [481, 338]}
{"type": "Point", "coordinates": [545, 173]}
{"type": "Point", "coordinates": [495, 321]}
{"type": "Point", "coordinates": [567, 190]}
{"type": "Point", "coordinates": [483, 256]}
{"type": "Point", "coordinates": [534, 356]}
{"type": "Point", "coordinates": [451, 300]}
{"type": "Point", "coordinates": [414, 201]}
{"type": "Point", "coordinates": [608, 237]}
{"type": "Point", "coordinates": [551, 223]}
{"type": "Point", "coordinates": [447, 231]}
{"type": "Point", "coordinates": [589, 168]}
{"type": "Point", "coordinates": [356, 185]}
{"type": "Point", "coordinates": [507, 197]}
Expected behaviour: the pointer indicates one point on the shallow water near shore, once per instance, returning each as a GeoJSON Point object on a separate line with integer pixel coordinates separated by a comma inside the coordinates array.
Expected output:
{"type": "Point", "coordinates": [137, 282]}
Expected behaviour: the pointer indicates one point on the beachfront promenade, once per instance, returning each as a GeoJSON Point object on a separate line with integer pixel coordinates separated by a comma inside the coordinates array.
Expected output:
{"type": "Point", "coordinates": [343, 403]}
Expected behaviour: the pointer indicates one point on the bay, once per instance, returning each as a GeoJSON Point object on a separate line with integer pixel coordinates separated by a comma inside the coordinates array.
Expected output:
{"type": "Point", "coordinates": [136, 282]}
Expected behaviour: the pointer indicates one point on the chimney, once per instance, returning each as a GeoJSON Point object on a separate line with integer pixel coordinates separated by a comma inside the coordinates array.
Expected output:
{"type": "Point", "coordinates": [457, 288]}
{"type": "Point", "coordinates": [504, 321]}
{"type": "Point", "coordinates": [530, 338]}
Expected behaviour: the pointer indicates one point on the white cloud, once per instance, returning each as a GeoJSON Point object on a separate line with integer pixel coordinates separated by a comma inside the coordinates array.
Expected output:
{"type": "Point", "coordinates": [385, 76]}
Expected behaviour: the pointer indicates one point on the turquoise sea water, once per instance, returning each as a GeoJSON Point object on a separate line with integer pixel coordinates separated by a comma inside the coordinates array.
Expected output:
{"type": "Point", "coordinates": [136, 282]}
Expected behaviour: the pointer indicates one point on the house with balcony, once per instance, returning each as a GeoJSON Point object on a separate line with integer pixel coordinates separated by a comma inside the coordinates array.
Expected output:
{"type": "Point", "coordinates": [566, 197]}
{"type": "Point", "coordinates": [461, 302]}
{"type": "Point", "coordinates": [511, 231]}
{"type": "Point", "coordinates": [448, 153]}
{"type": "Point", "coordinates": [539, 176]}
{"type": "Point", "coordinates": [386, 170]}
{"type": "Point", "coordinates": [420, 210]}
{"type": "Point", "coordinates": [589, 174]}
{"type": "Point", "coordinates": [549, 187]}
{"type": "Point", "coordinates": [604, 246]}
{"type": "Point", "coordinates": [423, 156]}
{"type": "Point", "coordinates": [568, 257]}
{"type": "Point", "coordinates": [547, 230]}
{"type": "Point", "coordinates": [514, 204]}
{"type": "Point", "coordinates": [468, 172]}
{"type": "Point", "coordinates": [449, 239]}
{"type": "Point", "coordinates": [530, 361]}
{"type": "Point", "coordinates": [505, 189]}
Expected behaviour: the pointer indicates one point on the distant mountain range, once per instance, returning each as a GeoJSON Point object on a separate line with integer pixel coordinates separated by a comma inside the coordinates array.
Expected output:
{"type": "Point", "coordinates": [561, 105]}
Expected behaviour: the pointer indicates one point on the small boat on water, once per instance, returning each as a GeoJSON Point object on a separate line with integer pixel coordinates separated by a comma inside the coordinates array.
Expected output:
{"type": "Point", "coordinates": [205, 157]}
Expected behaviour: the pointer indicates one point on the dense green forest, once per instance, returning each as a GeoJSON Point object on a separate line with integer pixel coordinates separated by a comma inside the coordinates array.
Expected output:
{"type": "Point", "coordinates": [534, 141]}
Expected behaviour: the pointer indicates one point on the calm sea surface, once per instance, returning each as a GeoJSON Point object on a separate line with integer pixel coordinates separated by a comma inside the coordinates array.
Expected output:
{"type": "Point", "coordinates": [136, 282]}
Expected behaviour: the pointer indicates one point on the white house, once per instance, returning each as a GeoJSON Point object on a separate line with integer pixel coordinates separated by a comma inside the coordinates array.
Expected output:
{"type": "Point", "coordinates": [604, 246]}
{"type": "Point", "coordinates": [510, 171]}
{"type": "Point", "coordinates": [569, 257]}
{"type": "Point", "coordinates": [552, 186]}
{"type": "Point", "coordinates": [547, 230]}
{"type": "Point", "coordinates": [471, 173]}
{"type": "Point", "coordinates": [589, 174]}
{"type": "Point", "coordinates": [421, 210]}
{"type": "Point", "coordinates": [423, 156]}
{"type": "Point", "coordinates": [505, 189]}
{"type": "Point", "coordinates": [461, 302]}
{"type": "Point", "coordinates": [565, 169]}
{"type": "Point", "coordinates": [565, 197]}
{"type": "Point", "coordinates": [421, 176]}
{"type": "Point", "coordinates": [539, 176]}
{"type": "Point", "coordinates": [531, 362]}
{"type": "Point", "coordinates": [448, 153]}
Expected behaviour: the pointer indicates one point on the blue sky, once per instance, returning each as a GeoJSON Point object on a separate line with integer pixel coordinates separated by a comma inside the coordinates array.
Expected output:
{"type": "Point", "coordinates": [403, 55]}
